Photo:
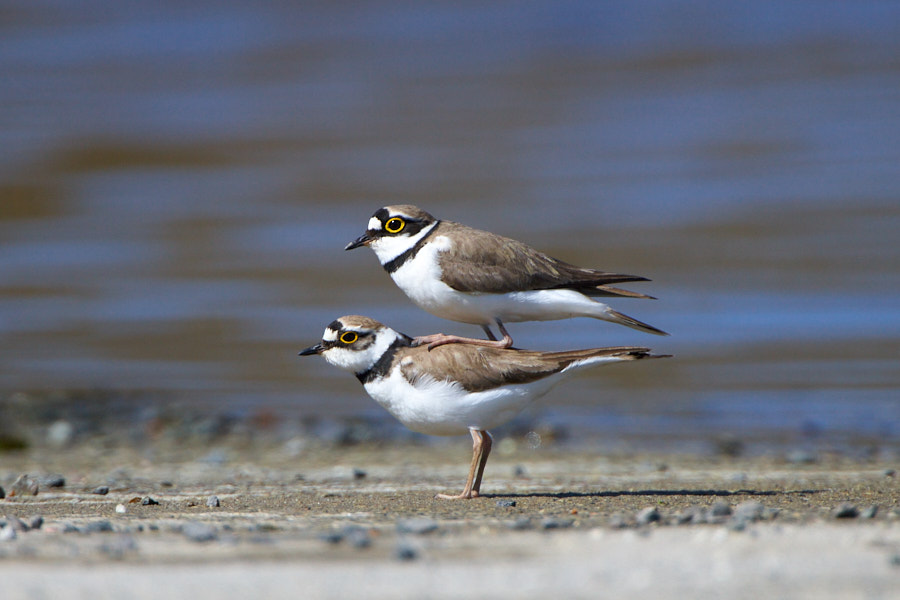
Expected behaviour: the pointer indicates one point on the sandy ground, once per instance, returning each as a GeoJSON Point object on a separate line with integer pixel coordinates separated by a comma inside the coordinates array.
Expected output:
{"type": "Point", "coordinates": [363, 522]}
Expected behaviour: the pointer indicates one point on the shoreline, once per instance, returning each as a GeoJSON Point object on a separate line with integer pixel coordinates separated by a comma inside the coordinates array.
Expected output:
{"type": "Point", "coordinates": [551, 521]}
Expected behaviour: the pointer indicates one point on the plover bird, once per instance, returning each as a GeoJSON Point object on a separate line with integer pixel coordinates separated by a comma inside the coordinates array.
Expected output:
{"type": "Point", "coordinates": [452, 388]}
{"type": "Point", "coordinates": [463, 274]}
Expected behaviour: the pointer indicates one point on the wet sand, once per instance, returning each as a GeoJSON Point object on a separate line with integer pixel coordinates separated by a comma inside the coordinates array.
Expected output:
{"type": "Point", "coordinates": [330, 521]}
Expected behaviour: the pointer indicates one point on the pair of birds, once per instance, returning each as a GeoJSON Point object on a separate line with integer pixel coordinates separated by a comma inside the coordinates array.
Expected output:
{"type": "Point", "coordinates": [445, 384]}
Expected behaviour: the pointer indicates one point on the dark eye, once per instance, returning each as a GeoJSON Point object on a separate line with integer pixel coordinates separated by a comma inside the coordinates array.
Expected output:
{"type": "Point", "coordinates": [394, 225]}
{"type": "Point", "coordinates": [348, 337]}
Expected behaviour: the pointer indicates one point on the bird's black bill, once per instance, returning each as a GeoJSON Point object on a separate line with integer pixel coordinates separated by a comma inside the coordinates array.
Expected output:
{"type": "Point", "coordinates": [317, 349]}
{"type": "Point", "coordinates": [362, 240]}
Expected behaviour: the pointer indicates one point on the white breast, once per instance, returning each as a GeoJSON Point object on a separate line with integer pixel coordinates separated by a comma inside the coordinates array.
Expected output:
{"type": "Point", "coordinates": [420, 279]}
{"type": "Point", "coordinates": [442, 408]}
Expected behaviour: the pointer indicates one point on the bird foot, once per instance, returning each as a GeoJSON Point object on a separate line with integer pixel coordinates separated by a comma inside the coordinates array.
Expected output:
{"type": "Point", "coordinates": [462, 496]}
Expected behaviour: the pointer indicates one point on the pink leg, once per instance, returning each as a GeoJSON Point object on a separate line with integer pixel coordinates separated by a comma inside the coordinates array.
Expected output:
{"type": "Point", "coordinates": [481, 448]}
{"type": "Point", "coordinates": [439, 339]}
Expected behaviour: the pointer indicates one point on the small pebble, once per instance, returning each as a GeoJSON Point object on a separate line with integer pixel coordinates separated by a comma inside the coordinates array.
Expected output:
{"type": "Point", "coordinates": [359, 474]}
{"type": "Point", "coordinates": [618, 521]}
{"type": "Point", "coordinates": [120, 508]}
{"type": "Point", "coordinates": [519, 471]}
{"type": "Point", "coordinates": [736, 524]}
{"type": "Point", "coordinates": [99, 527]}
{"type": "Point", "coordinates": [332, 537]}
{"type": "Point", "coordinates": [213, 502]}
{"type": "Point", "coordinates": [53, 481]}
{"type": "Point", "coordinates": [692, 514]}
{"type": "Point", "coordinates": [506, 503]}
{"type": "Point", "coordinates": [358, 537]}
{"type": "Point", "coordinates": [101, 490]}
{"type": "Point", "coordinates": [895, 560]}
{"type": "Point", "coordinates": [845, 511]}
{"type": "Point", "coordinates": [7, 534]}
{"type": "Point", "coordinates": [406, 552]}
{"type": "Point", "coordinates": [24, 486]}
{"type": "Point", "coordinates": [17, 524]}
{"type": "Point", "coordinates": [720, 509]}
{"type": "Point", "coordinates": [553, 523]}
{"type": "Point", "coordinates": [36, 522]}
{"type": "Point", "coordinates": [869, 513]}
{"type": "Point", "coordinates": [886, 473]}
{"type": "Point", "coordinates": [148, 501]}
{"type": "Point", "coordinates": [2, 493]}
{"type": "Point", "coordinates": [751, 510]}
{"type": "Point", "coordinates": [199, 532]}
{"type": "Point", "coordinates": [648, 515]}
{"type": "Point", "coordinates": [417, 525]}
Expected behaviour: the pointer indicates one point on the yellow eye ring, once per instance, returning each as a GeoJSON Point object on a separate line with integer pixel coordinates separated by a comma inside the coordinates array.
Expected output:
{"type": "Point", "coordinates": [394, 225]}
{"type": "Point", "coordinates": [348, 337]}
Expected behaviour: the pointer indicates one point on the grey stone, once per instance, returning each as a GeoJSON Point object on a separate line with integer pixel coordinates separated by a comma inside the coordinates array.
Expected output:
{"type": "Point", "coordinates": [357, 536]}
{"type": "Point", "coordinates": [417, 525]}
{"type": "Point", "coordinates": [845, 511]}
{"type": "Point", "coordinates": [359, 474]}
{"type": "Point", "coordinates": [148, 501]}
{"type": "Point", "coordinates": [8, 534]}
{"type": "Point", "coordinates": [648, 515]}
{"type": "Point", "coordinates": [54, 480]}
{"type": "Point", "coordinates": [751, 510]}
{"type": "Point", "coordinates": [213, 502]}
{"type": "Point", "coordinates": [332, 537]}
{"type": "Point", "coordinates": [406, 552]}
{"type": "Point", "coordinates": [24, 486]}
{"type": "Point", "coordinates": [869, 513]}
{"type": "Point", "coordinates": [17, 524]}
{"type": "Point", "coordinates": [506, 503]}
{"type": "Point", "coordinates": [99, 527]}
{"type": "Point", "coordinates": [618, 521]}
{"type": "Point", "coordinates": [101, 490]}
{"type": "Point", "coordinates": [36, 522]}
{"type": "Point", "coordinates": [691, 515]}
{"type": "Point", "coordinates": [720, 509]}
{"type": "Point", "coordinates": [197, 531]}
{"type": "Point", "coordinates": [2, 493]}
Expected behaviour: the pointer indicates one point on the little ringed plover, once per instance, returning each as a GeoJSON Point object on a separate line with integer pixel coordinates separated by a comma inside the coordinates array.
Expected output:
{"type": "Point", "coordinates": [453, 388]}
{"type": "Point", "coordinates": [463, 274]}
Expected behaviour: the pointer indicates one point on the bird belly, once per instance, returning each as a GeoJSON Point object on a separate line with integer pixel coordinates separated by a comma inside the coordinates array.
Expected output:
{"type": "Point", "coordinates": [420, 280]}
{"type": "Point", "coordinates": [444, 408]}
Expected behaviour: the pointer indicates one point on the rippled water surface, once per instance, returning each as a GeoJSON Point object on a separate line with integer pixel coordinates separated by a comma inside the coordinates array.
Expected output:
{"type": "Point", "coordinates": [177, 184]}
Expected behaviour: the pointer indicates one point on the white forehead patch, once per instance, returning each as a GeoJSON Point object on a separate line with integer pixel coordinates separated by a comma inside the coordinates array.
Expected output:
{"type": "Point", "coordinates": [330, 335]}
{"type": "Point", "coordinates": [374, 224]}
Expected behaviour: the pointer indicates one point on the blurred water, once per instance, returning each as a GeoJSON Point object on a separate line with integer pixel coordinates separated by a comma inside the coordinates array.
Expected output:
{"type": "Point", "coordinates": [177, 183]}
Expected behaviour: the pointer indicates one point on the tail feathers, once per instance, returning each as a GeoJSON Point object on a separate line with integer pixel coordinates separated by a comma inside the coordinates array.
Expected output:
{"type": "Point", "coordinates": [617, 352]}
{"type": "Point", "coordinates": [617, 317]}
{"type": "Point", "coordinates": [577, 359]}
